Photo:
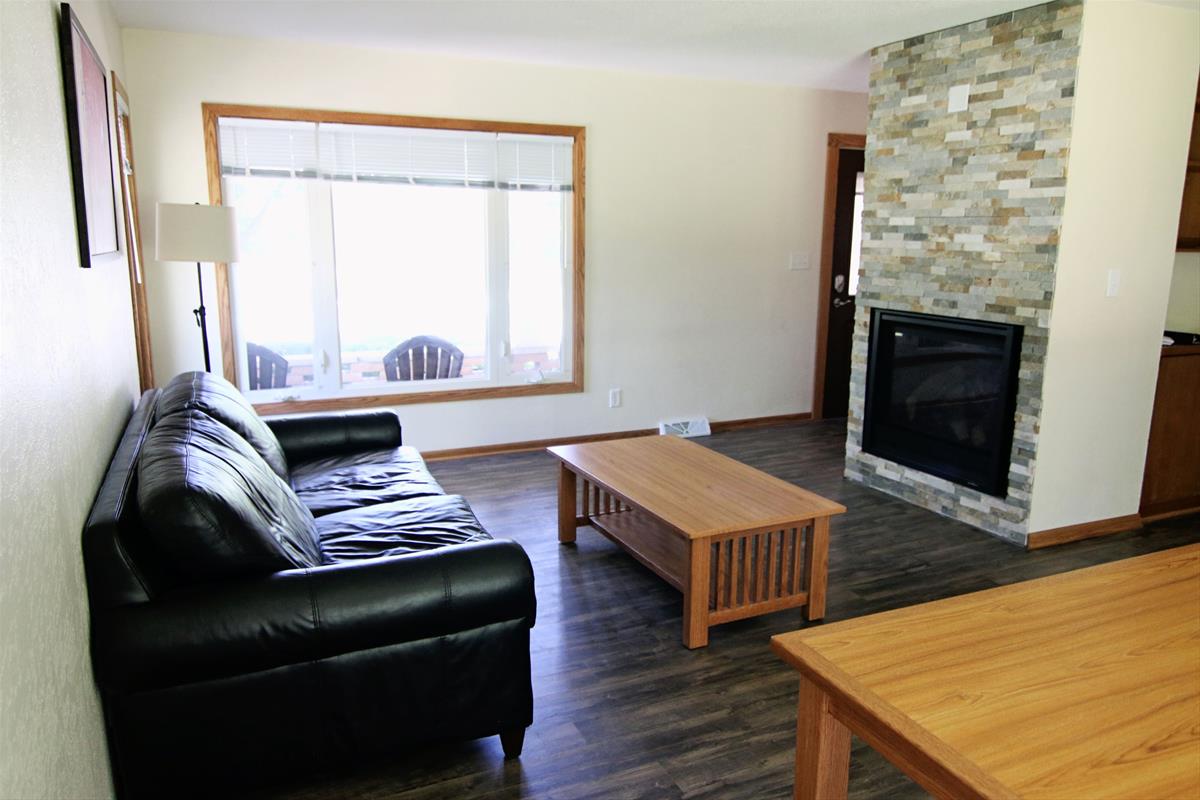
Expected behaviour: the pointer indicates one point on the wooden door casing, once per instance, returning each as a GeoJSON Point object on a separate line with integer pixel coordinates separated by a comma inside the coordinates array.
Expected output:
{"type": "Point", "coordinates": [133, 236]}
{"type": "Point", "coordinates": [835, 322]}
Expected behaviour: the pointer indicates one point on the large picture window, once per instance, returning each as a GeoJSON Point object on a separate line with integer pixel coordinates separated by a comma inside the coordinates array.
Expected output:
{"type": "Point", "coordinates": [397, 259]}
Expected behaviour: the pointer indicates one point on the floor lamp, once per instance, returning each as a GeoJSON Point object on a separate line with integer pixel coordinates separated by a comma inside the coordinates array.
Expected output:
{"type": "Point", "coordinates": [196, 233]}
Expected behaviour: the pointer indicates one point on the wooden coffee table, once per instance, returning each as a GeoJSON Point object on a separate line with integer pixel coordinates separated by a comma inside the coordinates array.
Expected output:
{"type": "Point", "coordinates": [736, 541]}
{"type": "Point", "coordinates": [1080, 685]}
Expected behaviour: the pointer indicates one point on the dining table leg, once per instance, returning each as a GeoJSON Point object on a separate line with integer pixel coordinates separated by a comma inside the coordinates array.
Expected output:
{"type": "Point", "coordinates": [822, 747]}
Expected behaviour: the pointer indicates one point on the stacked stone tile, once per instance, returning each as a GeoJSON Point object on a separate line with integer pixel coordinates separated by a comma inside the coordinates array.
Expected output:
{"type": "Point", "coordinates": [962, 215]}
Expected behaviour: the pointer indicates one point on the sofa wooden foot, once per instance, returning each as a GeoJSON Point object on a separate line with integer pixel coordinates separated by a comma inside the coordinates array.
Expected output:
{"type": "Point", "coordinates": [512, 741]}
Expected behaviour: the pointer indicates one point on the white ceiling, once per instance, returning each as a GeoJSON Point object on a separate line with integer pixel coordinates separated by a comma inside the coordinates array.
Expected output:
{"type": "Point", "coordinates": [820, 43]}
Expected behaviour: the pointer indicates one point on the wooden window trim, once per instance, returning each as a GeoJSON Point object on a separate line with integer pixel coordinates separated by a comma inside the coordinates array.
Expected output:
{"type": "Point", "coordinates": [211, 112]}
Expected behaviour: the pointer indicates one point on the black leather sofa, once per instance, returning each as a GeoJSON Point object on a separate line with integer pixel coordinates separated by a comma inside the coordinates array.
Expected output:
{"type": "Point", "coordinates": [275, 597]}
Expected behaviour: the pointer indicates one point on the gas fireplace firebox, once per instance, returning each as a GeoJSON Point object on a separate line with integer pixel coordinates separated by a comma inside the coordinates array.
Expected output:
{"type": "Point", "coordinates": [941, 394]}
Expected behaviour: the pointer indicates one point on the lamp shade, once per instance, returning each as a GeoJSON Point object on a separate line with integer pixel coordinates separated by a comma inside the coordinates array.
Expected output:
{"type": "Point", "coordinates": [186, 232]}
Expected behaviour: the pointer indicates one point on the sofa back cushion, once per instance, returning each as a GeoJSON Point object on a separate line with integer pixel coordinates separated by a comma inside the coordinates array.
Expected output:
{"type": "Point", "coordinates": [213, 508]}
{"type": "Point", "coordinates": [220, 399]}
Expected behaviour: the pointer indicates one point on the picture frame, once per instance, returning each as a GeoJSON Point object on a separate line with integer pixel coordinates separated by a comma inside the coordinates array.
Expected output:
{"type": "Point", "coordinates": [85, 88]}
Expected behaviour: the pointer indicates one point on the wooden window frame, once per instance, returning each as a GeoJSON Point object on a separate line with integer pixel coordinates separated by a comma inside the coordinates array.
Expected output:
{"type": "Point", "coordinates": [212, 112]}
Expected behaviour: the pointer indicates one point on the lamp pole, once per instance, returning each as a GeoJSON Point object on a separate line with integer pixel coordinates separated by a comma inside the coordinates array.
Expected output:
{"type": "Point", "coordinates": [201, 320]}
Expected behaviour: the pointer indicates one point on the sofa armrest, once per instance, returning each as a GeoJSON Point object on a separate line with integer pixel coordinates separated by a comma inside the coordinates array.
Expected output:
{"type": "Point", "coordinates": [304, 438]}
{"type": "Point", "coordinates": [298, 616]}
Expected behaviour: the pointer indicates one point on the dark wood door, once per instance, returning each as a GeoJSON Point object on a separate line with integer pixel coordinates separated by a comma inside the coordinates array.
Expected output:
{"type": "Point", "coordinates": [840, 302]}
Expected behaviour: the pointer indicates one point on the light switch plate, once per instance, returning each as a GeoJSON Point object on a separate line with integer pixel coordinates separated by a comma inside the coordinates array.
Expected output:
{"type": "Point", "coordinates": [798, 261]}
{"type": "Point", "coordinates": [1114, 283]}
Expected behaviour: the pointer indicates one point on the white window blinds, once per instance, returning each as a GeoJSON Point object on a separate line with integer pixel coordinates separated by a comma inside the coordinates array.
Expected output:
{"type": "Point", "coordinates": [268, 147]}
{"type": "Point", "coordinates": [378, 153]}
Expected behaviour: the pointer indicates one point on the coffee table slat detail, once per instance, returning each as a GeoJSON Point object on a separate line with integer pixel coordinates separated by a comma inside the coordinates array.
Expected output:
{"type": "Point", "coordinates": [736, 541]}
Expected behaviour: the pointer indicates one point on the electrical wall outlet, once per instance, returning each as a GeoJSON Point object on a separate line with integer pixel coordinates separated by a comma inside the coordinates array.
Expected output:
{"type": "Point", "coordinates": [614, 398]}
{"type": "Point", "coordinates": [1114, 283]}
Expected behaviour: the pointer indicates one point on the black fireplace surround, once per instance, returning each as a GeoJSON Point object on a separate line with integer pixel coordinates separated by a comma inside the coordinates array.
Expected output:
{"type": "Point", "coordinates": [941, 394]}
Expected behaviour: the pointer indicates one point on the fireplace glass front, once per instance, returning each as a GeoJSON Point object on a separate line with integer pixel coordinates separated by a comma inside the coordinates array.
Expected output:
{"type": "Point", "coordinates": [941, 394]}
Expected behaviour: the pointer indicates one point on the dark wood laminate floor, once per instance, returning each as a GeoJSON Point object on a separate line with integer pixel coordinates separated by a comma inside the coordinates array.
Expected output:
{"type": "Point", "coordinates": [622, 710]}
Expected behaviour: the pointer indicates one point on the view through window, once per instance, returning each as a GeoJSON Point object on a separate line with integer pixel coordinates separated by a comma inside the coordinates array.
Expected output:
{"type": "Point", "coordinates": [411, 261]}
{"type": "Point", "coordinates": [358, 240]}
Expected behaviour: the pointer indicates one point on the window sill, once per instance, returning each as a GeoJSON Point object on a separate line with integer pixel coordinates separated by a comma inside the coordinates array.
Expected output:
{"type": "Point", "coordinates": [406, 398]}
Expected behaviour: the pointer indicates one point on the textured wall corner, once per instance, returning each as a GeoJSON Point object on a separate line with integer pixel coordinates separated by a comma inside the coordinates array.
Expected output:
{"type": "Point", "coordinates": [68, 383]}
{"type": "Point", "coordinates": [962, 217]}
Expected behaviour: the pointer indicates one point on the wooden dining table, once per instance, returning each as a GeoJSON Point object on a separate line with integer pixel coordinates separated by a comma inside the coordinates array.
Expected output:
{"type": "Point", "coordinates": [1079, 686]}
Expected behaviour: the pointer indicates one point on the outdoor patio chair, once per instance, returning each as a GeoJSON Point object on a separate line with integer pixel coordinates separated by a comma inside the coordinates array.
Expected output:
{"type": "Point", "coordinates": [423, 358]}
{"type": "Point", "coordinates": [267, 369]}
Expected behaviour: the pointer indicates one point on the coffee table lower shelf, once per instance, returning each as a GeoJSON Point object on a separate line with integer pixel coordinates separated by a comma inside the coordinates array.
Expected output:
{"type": "Point", "coordinates": [660, 549]}
{"type": "Point", "coordinates": [723, 577]}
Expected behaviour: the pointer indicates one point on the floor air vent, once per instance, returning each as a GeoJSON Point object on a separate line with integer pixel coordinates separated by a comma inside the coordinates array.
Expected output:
{"type": "Point", "coordinates": [697, 426]}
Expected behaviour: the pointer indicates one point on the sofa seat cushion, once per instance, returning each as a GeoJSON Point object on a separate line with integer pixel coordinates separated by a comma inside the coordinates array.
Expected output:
{"type": "Point", "coordinates": [398, 528]}
{"type": "Point", "coordinates": [220, 399]}
{"type": "Point", "coordinates": [213, 508]}
{"type": "Point", "coordinates": [338, 483]}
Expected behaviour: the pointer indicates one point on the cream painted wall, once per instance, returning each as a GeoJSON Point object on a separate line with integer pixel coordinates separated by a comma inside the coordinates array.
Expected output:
{"type": "Point", "coordinates": [68, 378]}
{"type": "Point", "coordinates": [697, 191]}
{"type": "Point", "coordinates": [1183, 308]}
{"type": "Point", "coordinates": [1135, 86]}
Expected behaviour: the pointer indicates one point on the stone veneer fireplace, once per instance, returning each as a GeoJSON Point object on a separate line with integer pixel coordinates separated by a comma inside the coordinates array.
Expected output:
{"type": "Point", "coordinates": [962, 218]}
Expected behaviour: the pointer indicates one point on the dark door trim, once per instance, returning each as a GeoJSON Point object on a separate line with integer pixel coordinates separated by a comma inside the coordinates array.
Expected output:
{"type": "Point", "coordinates": [833, 151]}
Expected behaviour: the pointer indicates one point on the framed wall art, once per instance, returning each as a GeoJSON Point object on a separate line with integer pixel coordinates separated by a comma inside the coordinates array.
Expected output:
{"type": "Point", "coordinates": [86, 88]}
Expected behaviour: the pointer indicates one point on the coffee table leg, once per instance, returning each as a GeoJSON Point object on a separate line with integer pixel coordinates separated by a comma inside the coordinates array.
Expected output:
{"type": "Point", "coordinates": [566, 504]}
{"type": "Point", "coordinates": [822, 748]}
{"type": "Point", "coordinates": [817, 568]}
{"type": "Point", "coordinates": [695, 595]}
